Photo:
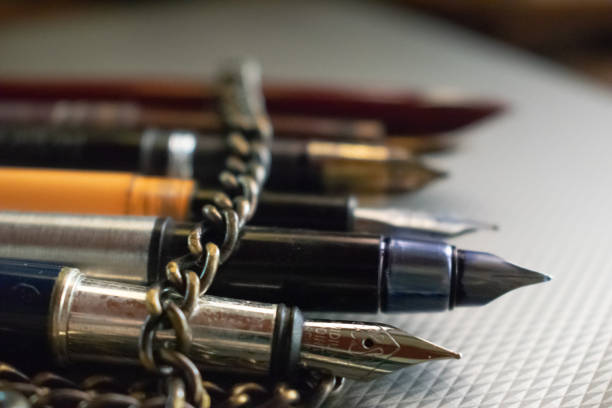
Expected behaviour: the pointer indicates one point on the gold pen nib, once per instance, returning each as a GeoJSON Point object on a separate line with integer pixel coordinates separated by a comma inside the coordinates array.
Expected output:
{"type": "Point", "coordinates": [365, 168]}
{"type": "Point", "coordinates": [395, 176]}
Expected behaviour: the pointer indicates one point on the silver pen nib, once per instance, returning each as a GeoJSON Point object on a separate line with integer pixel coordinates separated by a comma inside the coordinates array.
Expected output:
{"type": "Point", "coordinates": [398, 221]}
{"type": "Point", "coordinates": [364, 351]}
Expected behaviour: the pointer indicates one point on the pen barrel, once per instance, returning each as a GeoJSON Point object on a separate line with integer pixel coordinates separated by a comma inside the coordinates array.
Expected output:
{"type": "Point", "coordinates": [25, 291]}
{"type": "Point", "coordinates": [119, 115]}
{"type": "Point", "coordinates": [97, 320]}
{"type": "Point", "coordinates": [286, 210]}
{"type": "Point", "coordinates": [152, 151]}
{"type": "Point", "coordinates": [114, 248]}
{"type": "Point", "coordinates": [67, 147]}
{"type": "Point", "coordinates": [26, 288]}
{"type": "Point", "coordinates": [321, 271]}
{"type": "Point", "coordinates": [315, 270]}
{"type": "Point", "coordinates": [61, 112]}
{"type": "Point", "coordinates": [90, 192]}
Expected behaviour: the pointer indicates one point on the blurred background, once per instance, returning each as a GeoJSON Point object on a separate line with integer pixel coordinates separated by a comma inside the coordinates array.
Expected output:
{"type": "Point", "coordinates": [575, 33]}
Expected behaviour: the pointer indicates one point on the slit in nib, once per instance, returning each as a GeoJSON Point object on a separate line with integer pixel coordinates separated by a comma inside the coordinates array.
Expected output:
{"type": "Point", "coordinates": [484, 277]}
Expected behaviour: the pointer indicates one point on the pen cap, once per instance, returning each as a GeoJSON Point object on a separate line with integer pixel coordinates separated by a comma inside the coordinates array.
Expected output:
{"type": "Point", "coordinates": [418, 276]}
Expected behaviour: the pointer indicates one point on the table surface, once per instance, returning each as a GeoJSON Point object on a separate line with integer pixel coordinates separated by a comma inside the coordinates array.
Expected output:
{"type": "Point", "coordinates": [541, 170]}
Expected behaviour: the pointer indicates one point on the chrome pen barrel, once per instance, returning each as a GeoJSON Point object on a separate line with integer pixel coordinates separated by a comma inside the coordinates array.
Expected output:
{"type": "Point", "coordinates": [97, 320]}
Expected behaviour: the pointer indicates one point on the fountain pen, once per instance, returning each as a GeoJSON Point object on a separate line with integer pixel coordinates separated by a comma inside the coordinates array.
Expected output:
{"type": "Point", "coordinates": [400, 112]}
{"type": "Point", "coordinates": [117, 115]}
{"type": "Point", "coordinates": [298, 165]}
{"type": "Point", "coordinates": [315, 270]}
{"type": "Point", "coordinates": [113, 193]}
{"type": "Point", "coordinates": [123, 115]}
{"type": "Point", "coordinates": [80, 318]}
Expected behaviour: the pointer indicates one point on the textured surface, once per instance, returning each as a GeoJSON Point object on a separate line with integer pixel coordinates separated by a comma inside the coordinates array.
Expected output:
{"type": "Point", "coordinates": [542, 171]}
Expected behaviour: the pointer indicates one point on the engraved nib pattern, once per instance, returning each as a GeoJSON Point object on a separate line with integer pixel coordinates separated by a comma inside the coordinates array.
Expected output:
{"type": "Point", "coordinates": [364, 351]}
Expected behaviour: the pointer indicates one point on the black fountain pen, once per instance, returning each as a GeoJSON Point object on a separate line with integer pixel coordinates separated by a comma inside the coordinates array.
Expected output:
{"type": "Point", "coordinates": [315, 270]}
{"type": "Point", "coordinates": [86, 319]}
{"type": "Point", "coordinates": [298, 165]}
{"type": "Point", "coordinates": [344, 213]}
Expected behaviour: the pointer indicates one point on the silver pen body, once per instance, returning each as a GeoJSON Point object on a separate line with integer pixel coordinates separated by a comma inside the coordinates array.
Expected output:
{"type": "Point", "coordinates": [106, 247]}
{"type": "Point", "coordinates": [98, 320]}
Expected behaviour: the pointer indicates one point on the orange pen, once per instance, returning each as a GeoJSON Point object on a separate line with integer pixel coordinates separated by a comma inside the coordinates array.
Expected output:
{"type": "Point", "coordinates": [115, 193]}
{"type": "Point", "coordinates": [94, 192]}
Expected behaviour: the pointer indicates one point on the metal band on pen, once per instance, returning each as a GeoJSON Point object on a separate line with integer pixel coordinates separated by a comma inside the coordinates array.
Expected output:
{"type": "Point", "coordinates": [83, 325]}
{"type": "Point", "coordinates": [181, 146]}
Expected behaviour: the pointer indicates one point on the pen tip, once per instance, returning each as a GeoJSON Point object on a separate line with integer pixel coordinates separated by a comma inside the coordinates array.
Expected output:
{"type": "Point", "coordinates": [397, 175]}
{"type": "Point", "coordinates": [455, 227]}
{"type": "Point", "coordinates": [484, 277]}
{"type": "Point", "coordinates": [413, 350]}
{"type": "Point", "coordinates": [364, 351]}
{"type": "Point", "coordinates": [407, 223]}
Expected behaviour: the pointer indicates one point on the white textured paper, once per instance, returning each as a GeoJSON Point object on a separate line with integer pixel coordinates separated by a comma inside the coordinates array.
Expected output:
{"type": "Point", "coordinates": [542, 171]}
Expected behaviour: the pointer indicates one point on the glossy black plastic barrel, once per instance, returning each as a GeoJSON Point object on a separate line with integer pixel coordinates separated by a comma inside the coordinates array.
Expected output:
{"type": "Point", "coordinates": [315, 270]}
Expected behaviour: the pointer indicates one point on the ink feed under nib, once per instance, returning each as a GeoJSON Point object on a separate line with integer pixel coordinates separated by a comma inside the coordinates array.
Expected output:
{"type": "Point", "coordinates": [484, 277]}
{"type": "Point", "coordinates": [365, 351]}
{"type": "Point", "coordinates": [402, 222]}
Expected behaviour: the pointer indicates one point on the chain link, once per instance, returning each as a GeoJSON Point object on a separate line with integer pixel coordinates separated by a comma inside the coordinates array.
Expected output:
{"type": "Point", "coordinates": [50, 389]}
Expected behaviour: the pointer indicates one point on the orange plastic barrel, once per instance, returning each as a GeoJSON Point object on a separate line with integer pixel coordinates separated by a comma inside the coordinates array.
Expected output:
{"type": "Point", "coordinates": [93, 192]}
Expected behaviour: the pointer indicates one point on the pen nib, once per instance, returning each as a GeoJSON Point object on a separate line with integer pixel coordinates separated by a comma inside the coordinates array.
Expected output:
{"type": "Point", "coordinates": [401, 222]}
{"type": "Point", "coordinates": [364, 351]}
{"type": "Point", "coordinates": [484, 277]}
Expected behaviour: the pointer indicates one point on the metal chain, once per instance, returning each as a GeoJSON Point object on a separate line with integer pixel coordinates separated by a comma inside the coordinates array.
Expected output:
{"type": "Point", "coordinates": [171, 303]}
{"type": "Point", "coordinates": [47, 389]}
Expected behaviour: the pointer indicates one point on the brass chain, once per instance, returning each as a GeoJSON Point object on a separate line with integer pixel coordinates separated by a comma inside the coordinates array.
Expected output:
{"type": "Point", "coordinates": [171, 303]}
{"type": "Point", "coordinates": [47, 389]}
